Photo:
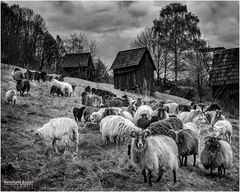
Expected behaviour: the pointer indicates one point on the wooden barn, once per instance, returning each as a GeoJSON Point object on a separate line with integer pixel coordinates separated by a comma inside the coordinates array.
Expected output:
{"type": "Point", "coordinates": [224, 79]}
{"type": "Point", "coordinates": [134, 70]}
{"type": "Point", "coordinates": [78, 65]}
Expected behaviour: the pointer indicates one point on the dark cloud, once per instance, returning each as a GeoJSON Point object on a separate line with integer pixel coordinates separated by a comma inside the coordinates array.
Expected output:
{"type": "Point", "coordinates": [65, 6]}
{"type": "Point", "coordinates": [137, 13]}
{"type": "Point", "coordinates": [124, 4]}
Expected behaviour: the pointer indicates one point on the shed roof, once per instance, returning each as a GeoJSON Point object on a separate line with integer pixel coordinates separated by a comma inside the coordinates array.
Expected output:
{"type": "Point", "coordinates": [76, 60]}
{"type": "Point", "coordinates": [225, 67]}
{"type": "Point", "coordinates": [128, 58]}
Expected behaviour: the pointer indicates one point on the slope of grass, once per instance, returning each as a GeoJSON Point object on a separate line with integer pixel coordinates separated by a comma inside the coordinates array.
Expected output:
{"type": "Point", "coordinates": [96, 166]}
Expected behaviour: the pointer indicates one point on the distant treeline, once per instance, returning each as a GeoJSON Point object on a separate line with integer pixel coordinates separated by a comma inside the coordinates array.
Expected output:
{"type": "Point", "coordinates": [26, 42]}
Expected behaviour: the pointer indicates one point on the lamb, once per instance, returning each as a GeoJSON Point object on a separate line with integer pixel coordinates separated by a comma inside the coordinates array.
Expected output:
{"type": "Point", "coordinates": [216, 154]}
{"type": "Point", "coordinates": [154, 154]}
{"type": "Point", "coordinates": [218, 116]}
{"type": "Point", "coordinates": [11, 97]}
{"type": "Point", "coordinates": [78, 112]}
{"type": "Point", "coordinates": [88, 111]}
{"type": "Point", "coordinates": [66, 88]}
{"type": "Point", "coordinates": [64, 129]}
{"type": "Point", "coordinates": [223, 128]}
{"type": "Point", "coordinates": [57, 90]}
{"type": "Point", "coordinates": [187, 142]}
{"type": "Point", "coordinates": [22, 86]}
{"type": "Point", "coordinates": [162, 127]}
{"type": "Point", "coordinates": [143, 109]}
{"type": "Point", "coordinates": [115, 127]}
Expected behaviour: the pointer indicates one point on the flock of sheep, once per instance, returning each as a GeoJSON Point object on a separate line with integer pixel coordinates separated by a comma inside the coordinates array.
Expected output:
{"type": "Point", "coordinates": [160, 135]}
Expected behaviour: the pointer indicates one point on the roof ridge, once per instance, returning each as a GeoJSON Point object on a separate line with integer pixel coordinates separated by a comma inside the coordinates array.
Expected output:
{"type": "Point", "coordinates": [133, 49]}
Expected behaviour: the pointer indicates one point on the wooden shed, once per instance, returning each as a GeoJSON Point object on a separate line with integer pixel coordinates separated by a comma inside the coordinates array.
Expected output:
{"type": "Point", "coordinates": [78, 65]}
{"type": "Point", "coordinates": [224, 78]}
{"type": "Point", "coordinates": [134, 70]}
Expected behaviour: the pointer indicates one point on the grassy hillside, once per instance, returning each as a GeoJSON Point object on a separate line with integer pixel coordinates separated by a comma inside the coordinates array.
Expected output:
{"type": "Point", "coordinates": [97, 166]}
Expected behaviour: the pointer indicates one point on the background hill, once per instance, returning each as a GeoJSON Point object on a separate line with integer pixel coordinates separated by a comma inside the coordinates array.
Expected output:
{"type": "Point", "coordinates": [97, 167]}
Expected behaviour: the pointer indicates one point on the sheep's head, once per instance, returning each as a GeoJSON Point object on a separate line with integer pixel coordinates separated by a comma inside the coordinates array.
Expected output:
{"type": "Point", "coordinates": [212, 144]}
{"type": "Point", "coordinates": [94, 118]}
{"type": "Point", "coordinates": [38, 136]}
{"type": "Point", "coordinates": [218, 113]}
{"type": "Point", "coordinates": [73, 87]}
{"type": "Point", "coordinates": [162, 113]}
{"type": "Point", "coordinates": [193, 106]}
{"type": "Point", "coordinates": [172, 134]}
{"type": "Point", "coordinates": [140, 138]}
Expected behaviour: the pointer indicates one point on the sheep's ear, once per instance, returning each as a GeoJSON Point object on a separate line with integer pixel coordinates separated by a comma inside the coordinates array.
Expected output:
{"type": "Point", "coordinates": [133, 134]}
{"type": "Point", "coordinates": [147, 133]}
{"type": "Point", "coordinates": [166, 109]}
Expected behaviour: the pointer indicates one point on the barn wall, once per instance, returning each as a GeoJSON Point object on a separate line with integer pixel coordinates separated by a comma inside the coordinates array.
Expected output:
{"type": "Point", "coordinates": [125, 78]}
{"type": "Point", "coordinates": [229, 96]}
{"type": "Point", "coordinates": [78, 72]}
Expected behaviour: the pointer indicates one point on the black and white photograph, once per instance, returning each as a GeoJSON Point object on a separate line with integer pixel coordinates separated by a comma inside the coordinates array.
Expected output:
{"type": "Point", "coordinates": [119, 95]}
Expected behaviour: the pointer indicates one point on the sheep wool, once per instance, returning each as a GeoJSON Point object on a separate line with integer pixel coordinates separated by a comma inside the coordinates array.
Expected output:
{"type": "Point", "coordinates": [154, 154]}
{"type": "Point", "coordinates": [143, 109]}
{"type": "Point", "coordinates": [63, 129]}
{"type": "Point", "coordinates": [223, 128]}
{"type": "Point", "coordinates": [11, 96]}
{"type": "Point", "coordinates": [216, 154]}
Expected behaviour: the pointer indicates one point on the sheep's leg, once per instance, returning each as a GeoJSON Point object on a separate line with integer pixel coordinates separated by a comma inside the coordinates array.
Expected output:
{"type": "Point", "coordinates": [194, 160]}
{"type": "Point", "coordinates": [129, 150]}
{"type": "Point", "coordinates": [211, 170]}
{"type": "Point", "coordinates": [224, 170]}
{"type": "Point", "coordinates": [220, 171]}
{"type": "Point", "coordinates": [185, 163]}
{"type": "Point", "coordinates": [180, 160]}
{"type": "Point", "coordinates": [144, 175]}
{"type": "Point", "coordinates": [160, 174]}
{"type": "Point", "coordinates": [149, 177]}
{"type": "Point", "coordinates": [55, 147]}
{"type": "Point", "coordinates": [174, 176]}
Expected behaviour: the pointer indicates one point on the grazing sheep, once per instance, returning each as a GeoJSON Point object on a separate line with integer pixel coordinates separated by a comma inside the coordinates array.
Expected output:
{"type": "Point", "coordinates": [186, 107]}
{"type": "Point", "coordinates": [162, 127]}
{"type": "Point", "coordinates": [88, 111]}
{"type": "Point", "coordinates": [114, 101]}
{"type": "Point", "coordinates": [36, 76]}
{"type": "Point", "coordinates": [187, 142]}
{"type": "Point", "coordinates": [22, 86]}
{"type": "Point", "coordinates": [154, 154]}
{"type": "Point", "coordinates": [11, 97]}
{"type": "Point", "coordinates": [143, 109]}
{"type": "Point", "coordinates": [218, 116]}
{"type": "Point", "coordinates": [116, 128]}
{"type": "Point", "coordinates": [64, 129]}
{"type": "Point", "coordinates": [66, 88]}
{"type": "Point", "coordinates": [78, 112]}
{"type": "Point", "coordinates": [160, 113]}
{"type": "Point", "coordinates": [216, 154]}
{"type": "Point", "coordinates": [223, 128]}
{"type": "Point", "coordinates": [57, 90]}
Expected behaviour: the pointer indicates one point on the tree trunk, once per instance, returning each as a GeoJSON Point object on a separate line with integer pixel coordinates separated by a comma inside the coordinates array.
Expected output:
{"type": "Point", "coordinates": [176, 65]}
{"type": "Point", "coordinates": [165, 69]}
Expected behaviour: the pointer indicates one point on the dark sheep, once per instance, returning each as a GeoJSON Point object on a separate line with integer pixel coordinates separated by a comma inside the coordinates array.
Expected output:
{"type": "Point", "coordinates": [110, 111]}
{"type": "Point", "coordinates": [60, 77]}
{"type": "Point", "coordinates": [88, 89]}
{"type": "Point", "coordinates": [88, 111]}
{"type": "Point", "coordinates": [143, 122]}
{"type": "Point", "coordinates": [28, 75]}
{"type": "Point", "coordinates": [184, 108]}
{"type": "Point", "coordinates": [74, 86]}
{"type": "Point", "coordinates": [162, 127]}
{"type": "Point", "coordinates": [18, 75]}
{"type": "Point", "coordinates": [77, 113]}
{"type": "Point", "coordinates": [36, 76]}
{"type": "Point", "coordinates": [43, 76]}
{"type": "Point", "coordinates": [57, 90]}
{"type": "Point", "coordinates": [22, 86]}
{"type": "Point", "coordinates": [85, 98]}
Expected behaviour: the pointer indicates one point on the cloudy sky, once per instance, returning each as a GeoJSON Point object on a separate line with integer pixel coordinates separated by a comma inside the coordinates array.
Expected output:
{"type": "Point", "coordinates": [114, 24]}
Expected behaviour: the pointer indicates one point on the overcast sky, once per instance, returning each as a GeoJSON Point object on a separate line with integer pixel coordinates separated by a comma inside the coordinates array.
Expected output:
{"type": "Point", "coordinates": [114, 24]}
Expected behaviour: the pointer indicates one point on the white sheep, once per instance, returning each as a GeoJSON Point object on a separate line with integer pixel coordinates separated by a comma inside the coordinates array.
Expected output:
{"type": "Point", "coordinates": [11, 96]}
{"type": "Point", "coordinates": [160, 113]}
{"type": "Point", "coordinates": [154, 154]}
{"type": "Point", "coordinates": [94, 100]}
{"type": "Point", "coordinates": [66, 88]}
{"type": "Point", "coordinates": [143, 109]}
{"type": "Point", "coordinates": [223, 128]}
{"type": "Point", "coordinates": [189, 116]}
{"type": "Point", "coordinates": [116, 128]}
{"type": "Point", "coordinates": [193, 127]}
{"type": "Point", "coordinates": [63, 129]}
{"type": "Point", "coordinates": [127, 115]}
{"type": "Point", "coordinates": [216, 154]}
